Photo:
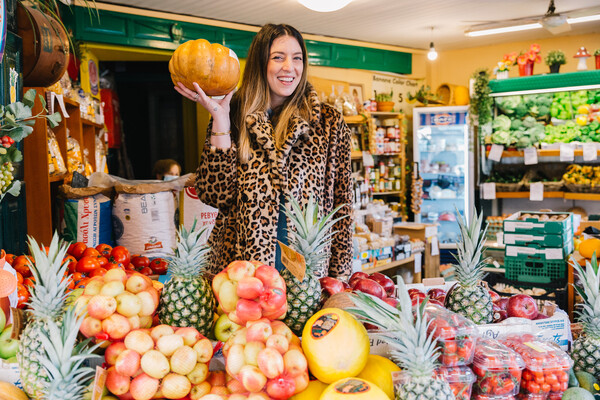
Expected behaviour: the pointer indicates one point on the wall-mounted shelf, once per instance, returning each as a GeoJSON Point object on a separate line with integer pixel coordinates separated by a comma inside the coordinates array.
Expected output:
{"type": "Point", "coordinates": [550, 195]}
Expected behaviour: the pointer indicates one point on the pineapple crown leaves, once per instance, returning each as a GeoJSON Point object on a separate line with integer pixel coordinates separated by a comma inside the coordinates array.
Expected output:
{"type": "Point", "coordinates": [589, 313]}
{"type": "Point", "coordinates": [49, 292]}
{"type": "Point", "coordinates": [469, 271]}
{"type": "Point", "coordinates": [312, 234]}
{"type": "Point", "coordinates": [189, 258]}
{"type": "Point", "coordinates": [63, 358]}
{"type": "Point", "coordinates": [404, 329]}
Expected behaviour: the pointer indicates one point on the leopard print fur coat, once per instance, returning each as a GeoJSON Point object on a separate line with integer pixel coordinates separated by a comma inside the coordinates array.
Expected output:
{"type": "Point", "coordinates": [315, 158]}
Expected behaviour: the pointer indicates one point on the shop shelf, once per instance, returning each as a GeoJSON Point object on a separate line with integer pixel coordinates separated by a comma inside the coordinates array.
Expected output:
{"type": "Point", "coordinates": [541, 153]}
{"type": "Point", "coordinates": [547, 82]}
{"type": "Point", "coordinates": [385, 193]}
{"type": "Point", "coordinates": [356, 155]}
{"type": "Point", "coordinates": [551, 195]}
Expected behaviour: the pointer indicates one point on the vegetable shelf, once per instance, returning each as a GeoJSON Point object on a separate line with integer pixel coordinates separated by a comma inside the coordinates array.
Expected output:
{"type": "Point", "coordinates": [551, 195]}
{"type": "Point", "coordinates": [541, 153]}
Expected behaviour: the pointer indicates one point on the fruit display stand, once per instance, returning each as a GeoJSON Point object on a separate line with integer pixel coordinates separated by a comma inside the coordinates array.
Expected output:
{"type": "Point", "coordinates": [40, 185]}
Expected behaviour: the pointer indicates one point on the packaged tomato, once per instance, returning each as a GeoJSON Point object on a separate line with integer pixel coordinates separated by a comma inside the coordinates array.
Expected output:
{"type": "Point", "coordinates": [460, 379]}
{"type": "Point", "coordinates": [456, 335]}
{"type": "Point", "coordinates": [497, 368]}
{"type": "Point", "coordinates": [485, 397]}
{"type": "Point", "coordinates": [546, 367]}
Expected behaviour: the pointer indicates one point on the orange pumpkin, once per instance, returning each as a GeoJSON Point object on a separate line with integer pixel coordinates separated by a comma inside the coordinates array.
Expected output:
{"type": "Point", "coordinates": [215, 68]}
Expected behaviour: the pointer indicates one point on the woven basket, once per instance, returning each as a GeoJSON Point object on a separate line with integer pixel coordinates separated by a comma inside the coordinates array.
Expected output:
{"type": "Point", "coordinates": [582, 188]}
{"type": "Point", "coordinates": [548, 186]}
{"type": "Point", "coordinates": [509, 187]}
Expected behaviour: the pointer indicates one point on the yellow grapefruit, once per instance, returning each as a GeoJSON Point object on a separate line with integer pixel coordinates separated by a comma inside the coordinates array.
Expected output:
{"type": "Point", "coordinates": [379, 371]}
{"type": "Point", "coordinates": [312, 392]}
{"type": "Point", "coordinates": [354, 389]}
{"type": "Point", "coordinates": [587, 247]}
{"type": "Point", "coordinates": [336, 345]}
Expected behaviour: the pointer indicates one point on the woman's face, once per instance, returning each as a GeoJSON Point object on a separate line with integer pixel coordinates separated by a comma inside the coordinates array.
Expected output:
{"type": "Point", "coordinates": [284, 68]}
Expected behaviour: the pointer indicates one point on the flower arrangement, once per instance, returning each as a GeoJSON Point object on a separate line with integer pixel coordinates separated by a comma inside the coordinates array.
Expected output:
{"type": "Point", "coordinates": [16, 123]}
{"type": "Point", "coordinates": [525, 61]}
{"type": "Point", "coordinates": [555, 57]}
{"type": "Point", "coordinates": [507, 61]}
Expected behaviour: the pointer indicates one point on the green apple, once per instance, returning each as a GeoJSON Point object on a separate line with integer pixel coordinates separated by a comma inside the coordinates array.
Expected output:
{"type": "Point", "coordinates": [8, 348]}
{"type": "Point", "coordinates": [7, 332]}
{"type": "Point", "coordinates": [2, 320]}
{"type": "Point", "coordinates": [12, 360]}
{"type": "Point", "coordinates": [224, 327]}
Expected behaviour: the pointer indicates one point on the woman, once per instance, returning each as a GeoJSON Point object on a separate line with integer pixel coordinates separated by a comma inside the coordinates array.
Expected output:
{"type": "Point", "coordinates": [166, 169]}
{"type": "Point", "coordinates": [269, 140]}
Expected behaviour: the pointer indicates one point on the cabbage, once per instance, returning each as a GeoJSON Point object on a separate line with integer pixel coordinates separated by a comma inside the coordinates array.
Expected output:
{"type": "Point", "coordinates": [501, 123]}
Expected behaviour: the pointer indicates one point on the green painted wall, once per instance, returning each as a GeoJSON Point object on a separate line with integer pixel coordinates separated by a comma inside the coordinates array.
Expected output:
{"type": "Point", "coordinates": [157, 33]}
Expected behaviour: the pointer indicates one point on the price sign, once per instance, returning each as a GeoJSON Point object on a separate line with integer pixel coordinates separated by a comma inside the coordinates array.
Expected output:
{"type": "Point", "coordinates": [496, 152]}
{"type": "Point", "coordinates": [489, 190]}
{"type": "Point", "coordinates": [530, 155]}
{"type": "Point", "coordinates": [567, 153]}
{"type": "Point", "coordinates": [536, 191]}
{"type": "Point", "coordinates": [590, 152]}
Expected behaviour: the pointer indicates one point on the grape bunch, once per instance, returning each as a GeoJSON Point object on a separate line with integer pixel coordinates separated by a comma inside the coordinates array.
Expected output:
{"type": "Point", "coordinates": [6, 176]}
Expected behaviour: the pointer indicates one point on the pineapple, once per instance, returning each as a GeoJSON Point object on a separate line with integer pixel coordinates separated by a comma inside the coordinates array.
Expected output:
{"type": "Point", "coordinates": [586, 349]}
{"type": "Point", "coordinates": [187, 298]}
{"type": "Point", "coordinates": [411, 348]}
{"type": "Point", "coordinates": [468, 297]}
{"type": "Point", "coordinates": [62, 359]}
{"type": "Point", "coordinates": [310, 237]}
{"type": "Point", "coordinates": [46, 304]}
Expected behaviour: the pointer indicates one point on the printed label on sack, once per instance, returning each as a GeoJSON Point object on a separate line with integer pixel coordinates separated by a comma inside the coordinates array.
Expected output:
{"type": "Point", "coordinates": [352, 386]}
{"type": "Point", "coordinates": [88, 221]}
{"type": "Point", "coordinates": [323, 325]}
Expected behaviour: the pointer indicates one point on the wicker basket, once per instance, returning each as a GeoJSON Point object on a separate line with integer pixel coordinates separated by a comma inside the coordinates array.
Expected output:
{"type": "Point", "coordinates": [509, 187]}
{"type": "Point", "coordinates": [582, 188]}
{"type": "Point", "coordinates": [534, 175]}
{"type": "Point", "coordinates": [548, 186]}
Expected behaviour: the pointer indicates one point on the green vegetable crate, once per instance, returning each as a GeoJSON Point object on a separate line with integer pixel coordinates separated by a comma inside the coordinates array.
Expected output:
{"type": "Point", "coordinates": [534, 222]}
{"type": "Point", "coordinates": [536, 270]}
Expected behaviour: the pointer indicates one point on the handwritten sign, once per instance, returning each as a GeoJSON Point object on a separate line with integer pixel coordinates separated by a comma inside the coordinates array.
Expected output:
{"type": "Point", "coordinates": [489, 190]}
{"type": "Point", "coordinates": [293, 261]}
{"type": "Point", "coordinates": [496, 152]}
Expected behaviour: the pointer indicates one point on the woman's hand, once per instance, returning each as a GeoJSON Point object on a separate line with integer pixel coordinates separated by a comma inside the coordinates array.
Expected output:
{"type": "Point", "coordinates": [215, 107]}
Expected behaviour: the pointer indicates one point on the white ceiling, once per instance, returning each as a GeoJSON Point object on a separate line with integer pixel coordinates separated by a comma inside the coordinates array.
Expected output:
{"type": "Point", "coordinates": [405, 23]}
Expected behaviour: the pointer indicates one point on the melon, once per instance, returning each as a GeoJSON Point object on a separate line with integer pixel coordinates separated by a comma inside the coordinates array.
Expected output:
{"type": "Point", "coordinates": [353, 388]}
{"type": "Point", "coordinates": [312, 392]}
{"type": "Point", "coordinates": [379, 371]}
{"type": "Point", "coordinates": [577, 393]}
{"type": "Point", "coordinates": [335, 344]}
{"type": "Point", "coordinates": [587, 381]}
{"type": "Point", "coordinates": [588, 247]}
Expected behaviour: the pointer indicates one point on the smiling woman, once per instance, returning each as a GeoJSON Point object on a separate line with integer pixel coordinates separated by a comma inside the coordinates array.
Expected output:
{"type": "Point", "coordinates": [270, 143]}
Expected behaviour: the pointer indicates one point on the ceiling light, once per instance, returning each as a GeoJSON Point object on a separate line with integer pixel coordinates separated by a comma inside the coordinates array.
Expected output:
{"type": "Point", "coordinates": [483, 31]}
{"type": "Point", "coordinates": [432, 54]}
{"type": "Point", "coordinates": [324, 5]}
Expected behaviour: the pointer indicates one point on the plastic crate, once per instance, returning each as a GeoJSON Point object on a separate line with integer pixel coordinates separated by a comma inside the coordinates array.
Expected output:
{"type": "Point", "coordinates": [531, 226]}
{"type": "Point", "coordinates": [536, 270]}
{"type": "Point", "coordinates": [536, 250]}
{"type": "Point", "coordinates": [545, 240]}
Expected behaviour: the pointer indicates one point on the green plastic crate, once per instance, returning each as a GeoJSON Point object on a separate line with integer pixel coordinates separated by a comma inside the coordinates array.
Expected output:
{"type": "Point", "coordinates": [545, 240]}
{"type": "Point", "coordinates": [535, 270]}
{"type": "Point", "coordinates": [533, 226]}
{"type": "Point", "coordinates": [539, 251]}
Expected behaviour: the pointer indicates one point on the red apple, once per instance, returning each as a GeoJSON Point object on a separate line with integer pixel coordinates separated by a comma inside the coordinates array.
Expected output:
{"type": "Point", "coordinates": [522, 306]}
{"type": "Point", "coordinates": [282, 387]}
{"type": "Point", "coordinates": [502, 303]}
{"type": "Point", "coordinates": [247, 310]}
{"type": "Point", "coordinates": [385, 281]}
{"type": "Point", "coordinates": [541, 316]}
{"type": "Point", "coordinates": [370, 287]}
{"type": "Point", "coordinates": [499, 313]}
{"type": "Point", "coordinates": [392, 301]}
{"type": "Point", "coordinates": [356, 277]}
{"type": "Point", "coordinates": [495, 296]}
{"type": "Point", "coordinates": [413, 292]}
{"type": "Point", "coordinates": [331, 285]}
{"type": "Point", "coordinates": [437, 294]}
{"type": "Point", "coordinates": [272, 299]}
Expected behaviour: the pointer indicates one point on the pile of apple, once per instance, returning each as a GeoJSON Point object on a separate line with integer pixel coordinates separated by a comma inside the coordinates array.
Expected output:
{"type": "Point", "coordinates": [250, 290]}
{"type": "Point", "coordinates": [8, 346]}
{"type": "Point", "coordinates": [117, 304]}
{"type": "Point", "coordinates": [436, 296]}
{"type": "Point", "coordinates": [162, 362]}
{"type": "Point", "coordinates": [518, 305]}
{"type": "Point", "coordinates": [375, 284]}
{"type": "Point", "coordinates": [265, 356]}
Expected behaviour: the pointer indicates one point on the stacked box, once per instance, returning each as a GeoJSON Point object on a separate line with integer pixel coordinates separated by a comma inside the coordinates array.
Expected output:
{"type": "Point", "coordinates": [537, 247]}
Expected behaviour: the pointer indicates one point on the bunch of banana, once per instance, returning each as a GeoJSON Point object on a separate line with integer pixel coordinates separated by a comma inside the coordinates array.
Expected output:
{"type": "Point", "coordinates": [582, 175]}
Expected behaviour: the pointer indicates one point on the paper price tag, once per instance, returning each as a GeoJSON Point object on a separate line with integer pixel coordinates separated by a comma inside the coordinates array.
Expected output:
{"type": "Point", "coordinates": [435, 248]}
{"type": "Point", "coordinates": [536, 191]}
{"type": "Point", "coordinates": [99, 383]}
{"type": "Point", "coordinates": [530, 155]}
{"type": "Point", "coordinates": [489, 190]}
{"type": "Point", "coordinates": [590, 152]}
{"type": "Point", "coordinates": [418, 262]}
{"type": "Point", "coordinates": [368, 160]}
{"type": "Point", "coordinates": [496, 152]}
{"type": "Point", "coordinates": [293, 261]}
{"type": "Point", "coordinates": [61, 102]}
{"type": "Point", "coordinates": [567, 153]}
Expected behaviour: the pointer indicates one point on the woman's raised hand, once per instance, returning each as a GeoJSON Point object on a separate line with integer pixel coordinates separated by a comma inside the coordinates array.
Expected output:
{"type": "Point", "coordinates": [216, 107]}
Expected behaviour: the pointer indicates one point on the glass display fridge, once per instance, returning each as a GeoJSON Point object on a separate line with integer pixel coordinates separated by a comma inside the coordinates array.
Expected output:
{"type": "Point", "coordinates": [443, 149]}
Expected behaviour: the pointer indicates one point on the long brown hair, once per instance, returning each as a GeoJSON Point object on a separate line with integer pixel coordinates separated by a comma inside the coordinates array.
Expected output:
{"type": "Point", "coordinates": [254, 94]}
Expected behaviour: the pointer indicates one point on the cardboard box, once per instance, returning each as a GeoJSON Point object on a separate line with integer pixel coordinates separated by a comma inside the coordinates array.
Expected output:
{"type": "Point", "coordinates": [416, 230]}
{"type": "Point", "coordinates": [383, 226]}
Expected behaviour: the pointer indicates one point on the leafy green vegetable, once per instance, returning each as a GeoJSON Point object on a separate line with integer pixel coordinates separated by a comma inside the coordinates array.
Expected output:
{"type": "Point", "coordinates": [502, 123]}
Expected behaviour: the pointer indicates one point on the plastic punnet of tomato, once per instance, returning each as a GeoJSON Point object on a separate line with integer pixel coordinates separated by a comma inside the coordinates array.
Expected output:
{"type": "Point", "coordinates": [456, 335]}
{"type": "Point", "coordinates": [486, 397]}
{"type": "Point", "coordinates": [460, 379]}
{"type": "Point", "coordinates": [497, 368]}
{"type": "Point", "coordinates": [546, 366]}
